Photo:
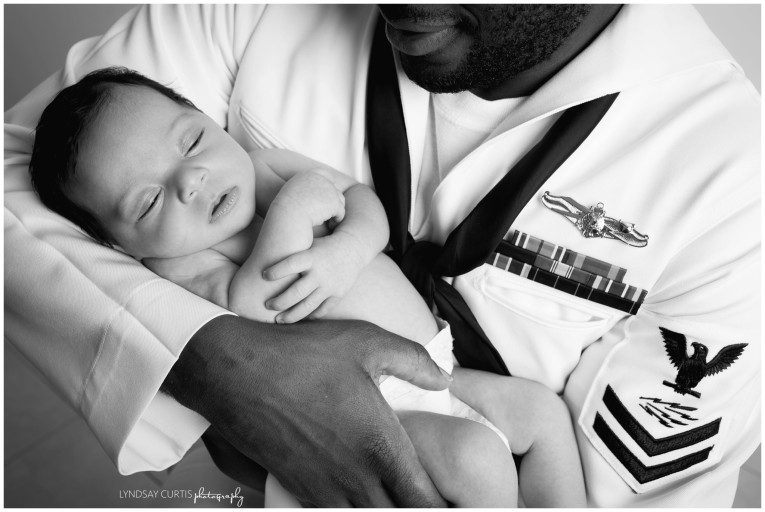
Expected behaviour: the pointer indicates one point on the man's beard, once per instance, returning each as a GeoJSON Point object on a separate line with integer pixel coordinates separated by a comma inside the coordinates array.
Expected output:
{"type": "Point", "coordinates": [517, 38]}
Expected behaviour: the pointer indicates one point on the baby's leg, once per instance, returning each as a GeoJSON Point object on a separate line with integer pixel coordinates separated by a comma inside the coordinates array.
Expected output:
{"type": "Point", "coordinates": [538, 425]}
{"type": "Point", "coordinates": [468, 463]}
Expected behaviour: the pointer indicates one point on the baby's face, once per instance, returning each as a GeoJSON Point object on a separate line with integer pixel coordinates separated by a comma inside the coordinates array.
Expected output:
{"type": "Point", "coordinates": [165, 180]}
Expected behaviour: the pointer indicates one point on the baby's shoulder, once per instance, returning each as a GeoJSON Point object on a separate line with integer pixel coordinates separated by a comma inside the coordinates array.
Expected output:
{"type": "Point", "coordinates": [206, 273]}
{"type": "Point", "coordinates": [185, 267]}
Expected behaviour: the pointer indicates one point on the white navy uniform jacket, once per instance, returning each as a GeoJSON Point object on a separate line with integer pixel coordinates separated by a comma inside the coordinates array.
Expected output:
{"type": "Point", "coordinates": [676, 155]}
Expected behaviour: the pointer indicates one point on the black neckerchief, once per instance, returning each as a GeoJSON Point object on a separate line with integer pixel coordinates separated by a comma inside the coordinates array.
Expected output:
{"type": "Point", "coordinates": [469, 244]}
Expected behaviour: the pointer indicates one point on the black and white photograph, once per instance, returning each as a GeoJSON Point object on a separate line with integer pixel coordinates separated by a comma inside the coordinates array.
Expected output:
{"type": "Point", "coordinates": [393, 256]}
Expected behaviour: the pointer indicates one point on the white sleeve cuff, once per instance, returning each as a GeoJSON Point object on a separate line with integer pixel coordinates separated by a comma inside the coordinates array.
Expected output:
{"type": "Point", "coordinates": [141, 428]}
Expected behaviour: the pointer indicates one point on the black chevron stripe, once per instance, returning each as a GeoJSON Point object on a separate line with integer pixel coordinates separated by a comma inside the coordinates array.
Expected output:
{"type": "Point", "coordinates": [649, 444]}
{"type": "Point", "coordinates": [637, 469]}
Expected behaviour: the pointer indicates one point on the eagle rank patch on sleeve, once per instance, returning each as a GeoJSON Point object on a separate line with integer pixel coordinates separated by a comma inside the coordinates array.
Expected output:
{"type": "Point", "coordinates": [691, 369]}
{"type": "Point", "coordinates": [655, 413]}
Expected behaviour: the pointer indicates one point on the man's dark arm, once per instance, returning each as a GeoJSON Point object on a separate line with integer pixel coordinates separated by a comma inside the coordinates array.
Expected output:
{"type": "Point", "coordinates": [233, 462]}
{"type": "Point", "coordinates": [300, 400]}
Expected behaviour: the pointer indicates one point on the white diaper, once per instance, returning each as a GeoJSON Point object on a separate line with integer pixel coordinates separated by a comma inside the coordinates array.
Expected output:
{"type": "Point", "coordinates": [403, 396]}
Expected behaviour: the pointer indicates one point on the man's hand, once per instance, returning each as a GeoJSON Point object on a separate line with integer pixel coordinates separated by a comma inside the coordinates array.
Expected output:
{"type": "Point", "coordinates": [301, 401]}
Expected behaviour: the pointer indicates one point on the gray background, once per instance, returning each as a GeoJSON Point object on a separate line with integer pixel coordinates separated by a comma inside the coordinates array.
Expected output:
{"type": "Point", "coordinates": [51, 458]}
{"type": "Point", "coordinates": [29, 60]}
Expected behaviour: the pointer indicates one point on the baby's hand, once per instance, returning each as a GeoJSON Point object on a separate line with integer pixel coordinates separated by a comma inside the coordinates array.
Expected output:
{"type": "Point", "coordinates": [315, 195]}
{"type": "Point", "coordinates": [327, 271]}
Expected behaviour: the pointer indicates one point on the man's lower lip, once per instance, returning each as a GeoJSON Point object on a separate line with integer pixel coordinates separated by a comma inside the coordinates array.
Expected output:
{"type": "Point", "coordinates": [419, 43]}
{"type": "Point", "coordinates": [232, 196]}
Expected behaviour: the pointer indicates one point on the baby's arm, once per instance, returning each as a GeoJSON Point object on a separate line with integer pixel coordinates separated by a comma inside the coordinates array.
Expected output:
{"type": "Point", "coordinates": [365, 219]}
{"type": "Point", "coordinates": [305, 275]}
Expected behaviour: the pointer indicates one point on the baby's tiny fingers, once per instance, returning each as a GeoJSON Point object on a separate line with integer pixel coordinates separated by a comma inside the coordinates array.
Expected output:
{"type": "Point", "coordinates": [293, 264]}
{"type": "Point", "coordinates": [301, 310]}
{"type": "Point", "coordinates": [298, 291]}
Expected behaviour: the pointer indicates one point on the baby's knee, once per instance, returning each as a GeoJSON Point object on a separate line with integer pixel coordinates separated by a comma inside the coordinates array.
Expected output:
{"type": "Point", "coordinates": [546, 409]}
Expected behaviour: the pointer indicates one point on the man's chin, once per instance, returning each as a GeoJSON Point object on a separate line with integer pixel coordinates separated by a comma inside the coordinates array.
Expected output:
{"type": "Point", "coordinates": [434, 77]}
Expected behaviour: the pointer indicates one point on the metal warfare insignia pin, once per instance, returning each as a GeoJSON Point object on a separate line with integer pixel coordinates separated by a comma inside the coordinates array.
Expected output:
{"type": "Point", "coordinates": [690, 370]}
{"type": "Point", "coordinates": [593, 223]}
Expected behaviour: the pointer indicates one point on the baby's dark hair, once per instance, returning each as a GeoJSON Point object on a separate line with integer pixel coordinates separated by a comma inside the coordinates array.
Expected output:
{"type": "Point", "coordinates": [58, 136]}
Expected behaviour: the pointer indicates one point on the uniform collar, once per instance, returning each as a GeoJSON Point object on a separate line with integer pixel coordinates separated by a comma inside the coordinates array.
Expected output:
{"type": "Point", "coordinates": [642, 44]}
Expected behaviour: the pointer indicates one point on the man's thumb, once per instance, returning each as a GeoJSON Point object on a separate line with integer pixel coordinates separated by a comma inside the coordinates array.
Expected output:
{"type": "Point", "coordinates": [408, 361]}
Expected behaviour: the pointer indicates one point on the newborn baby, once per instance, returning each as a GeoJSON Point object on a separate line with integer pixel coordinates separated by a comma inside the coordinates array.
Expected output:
{"type": "Point", "coordinates": [277, 237]}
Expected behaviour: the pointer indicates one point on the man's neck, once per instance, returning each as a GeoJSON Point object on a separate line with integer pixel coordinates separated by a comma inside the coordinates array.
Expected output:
{"type": "Point", "coordinates": [526, 82]}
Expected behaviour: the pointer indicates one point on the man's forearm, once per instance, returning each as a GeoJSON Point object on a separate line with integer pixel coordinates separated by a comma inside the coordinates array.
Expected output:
{"type": "Point", "coordinates": [208, 353]}
{"type": "Point", "coordinates": [183, 382]}
{"type": "Point", "coordinates": [189, 382]}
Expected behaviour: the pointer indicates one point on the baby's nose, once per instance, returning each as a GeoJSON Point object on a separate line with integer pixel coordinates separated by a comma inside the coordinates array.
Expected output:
{"type": "Point", "coordinates": [190, 181]}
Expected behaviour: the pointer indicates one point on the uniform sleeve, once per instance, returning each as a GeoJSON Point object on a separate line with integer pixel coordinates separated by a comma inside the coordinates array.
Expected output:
{"type": "Point", "coordinates": [674, 408]}
{"type": "Point", "coordinates": [103, 329]}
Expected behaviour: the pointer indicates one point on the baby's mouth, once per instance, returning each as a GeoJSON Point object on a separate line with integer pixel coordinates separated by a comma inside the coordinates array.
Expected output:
{"type": "Point", "coordinates": [217, 205]}
{"type": "Point", "coordinates": [224, 204]}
